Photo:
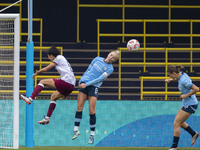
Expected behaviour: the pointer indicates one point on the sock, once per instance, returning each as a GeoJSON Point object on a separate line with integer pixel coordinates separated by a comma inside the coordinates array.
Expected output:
{"type": "Point", "coordinates": [37, 90]}
{"type": "Point", "coordinates": [52, 106]}
{"type": "Point", "coordinates": [47, 117]}
{"type": "Point", "coordinates": [189, 130]}
{"type": "Point", "coordinates": [77, 121]}
{"type": "Point", "coordinates": [92, 124]}
{"type": "Point", "coordinates": [175, 142]}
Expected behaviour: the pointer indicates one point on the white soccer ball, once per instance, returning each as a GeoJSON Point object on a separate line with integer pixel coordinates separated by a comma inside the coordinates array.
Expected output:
{"type": "Point", "coordinates": [133, 45]}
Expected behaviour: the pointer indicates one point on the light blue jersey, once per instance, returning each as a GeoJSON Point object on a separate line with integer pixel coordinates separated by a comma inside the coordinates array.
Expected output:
{"type": "Point", "coordinates": [184, 86]}
{"type": "Point", "coordinates": [97, 72]}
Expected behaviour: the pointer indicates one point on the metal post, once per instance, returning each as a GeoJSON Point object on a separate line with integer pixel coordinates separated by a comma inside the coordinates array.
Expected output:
{"type": "Point", "coordinates": [29, 81]}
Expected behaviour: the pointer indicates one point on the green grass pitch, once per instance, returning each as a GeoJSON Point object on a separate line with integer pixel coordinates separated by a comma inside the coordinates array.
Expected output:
{"type": "Point", "coordinates": [101, 148]}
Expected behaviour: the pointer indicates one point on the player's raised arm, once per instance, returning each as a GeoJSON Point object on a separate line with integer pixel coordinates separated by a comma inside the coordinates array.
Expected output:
{"type": "Point", "coordinates": [45, 69]}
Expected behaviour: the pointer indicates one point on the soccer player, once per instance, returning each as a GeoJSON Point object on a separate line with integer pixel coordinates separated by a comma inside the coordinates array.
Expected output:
{"type": "Point", "coordinates": [99, 69]}
{"type": "Point", "coordinates": [190, 103]}
{"type": "Point", "coordinates": [64, 86]}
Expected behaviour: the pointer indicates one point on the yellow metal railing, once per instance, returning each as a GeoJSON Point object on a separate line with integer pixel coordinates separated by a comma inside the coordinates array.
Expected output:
{"type": "Point", "coordinates": [36, 79]}
{"type": "Point", "coordinates": [16, 5]}
{"type": "Point", "coordinates": [123, 7]}
{"type": "Point", "coordinates": [165, 64]}
{"type": "Point", "coordinates": [166, 92]}
{"type": "Point", "coordinates": [40, 20]}
{"type": "Point", "coordinates": [40, 62]}
{"type": "Point", "coordinates": [37, 34]}
{"type": "Point", "coordinates": [144, 34]}
{"type": "Point", "coordinates": [26, 19]}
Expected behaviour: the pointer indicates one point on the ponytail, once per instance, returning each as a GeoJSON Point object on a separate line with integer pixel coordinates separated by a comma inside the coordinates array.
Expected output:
{"type": "Point", "coordinates": [174, 68]}
{"type": "Point", "coordinates": [179, 67]}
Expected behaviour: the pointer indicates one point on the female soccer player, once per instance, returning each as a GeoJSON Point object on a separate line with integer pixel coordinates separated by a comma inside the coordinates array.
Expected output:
{"type": "Point", "coordinates": [190, 103]}
{"type": "Point", "coordinates": [64, 86]}
{"type": "Point", "coordinates": [99, 69]}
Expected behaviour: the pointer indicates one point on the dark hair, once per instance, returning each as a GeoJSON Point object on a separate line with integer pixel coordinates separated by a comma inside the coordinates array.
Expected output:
{"type": "Point", "coordinates": [53, 51]}
{"type": "Point", "coordinates": [174, 68]}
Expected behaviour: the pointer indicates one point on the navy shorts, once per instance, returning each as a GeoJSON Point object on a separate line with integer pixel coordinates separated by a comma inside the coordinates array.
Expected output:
{"type": "Point", "coordinates": [190, 109]}
{"type": "Point", "coordinates": [90, 91]}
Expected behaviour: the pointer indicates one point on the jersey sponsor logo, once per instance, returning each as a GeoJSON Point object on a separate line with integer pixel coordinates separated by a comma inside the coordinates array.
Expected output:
{"type": "Point", "coordinates": [98, 68]}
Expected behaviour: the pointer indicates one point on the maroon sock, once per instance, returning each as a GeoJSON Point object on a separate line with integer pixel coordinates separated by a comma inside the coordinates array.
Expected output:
{"type": "Point", "coordinates": [37, 90]}
{"type": "Point", "coordinates": [52, 106]}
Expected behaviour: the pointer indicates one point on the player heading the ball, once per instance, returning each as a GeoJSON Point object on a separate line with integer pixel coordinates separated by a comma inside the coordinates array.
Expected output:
{"type": "Point", "coordinates": [99, 69]}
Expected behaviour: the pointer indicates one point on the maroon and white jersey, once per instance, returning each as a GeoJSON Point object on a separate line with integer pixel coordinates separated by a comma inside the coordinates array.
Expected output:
{"type": "Point", "coordinates": [64, 69]}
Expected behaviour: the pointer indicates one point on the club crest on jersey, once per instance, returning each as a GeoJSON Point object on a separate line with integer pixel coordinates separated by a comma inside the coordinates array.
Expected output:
{"type": "Point", "coordinates": [105, 68]}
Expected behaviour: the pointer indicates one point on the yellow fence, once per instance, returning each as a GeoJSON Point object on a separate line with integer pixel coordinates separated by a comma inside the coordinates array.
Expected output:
{"type": "Point", "coordinates": [40, 62]}
{"type": "Point", "coordinates": [165, 64]}
{"type": "Point", "coordinates": [166, 92]}
{"type": "Point", "coordinates": [40, 20]}
{"type": "Point", "coordinates": [144, 34]}
{"type": "Point", "coordinates": [16, 5]}
{"type": "Point", "coordinates": [26, 20]}
{"type": "Point", "coordinates": [36, 80]}
{"type": "Point", "coordinates": [123, 7]}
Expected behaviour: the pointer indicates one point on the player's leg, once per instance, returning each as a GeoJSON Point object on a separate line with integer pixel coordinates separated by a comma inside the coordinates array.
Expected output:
{"type": "Point", "coordinates": [38, 89]}
{"type": "Point", "coordinates": [187, 128]}
{"type": "Point", "coordinates": [78, 116]}
{"type": "Point", "coordinates": [56, 95]}
{"type": "Point", "coordinates": [190, 109]}
{"type": "Point", "coordinates": [43, 83]}
{"type": "Point", "coordinates": [92, 106]}
{"type": "Point", "coordinates": [193, 133]}
{"type": "Point", "coordinates": [180, 118]}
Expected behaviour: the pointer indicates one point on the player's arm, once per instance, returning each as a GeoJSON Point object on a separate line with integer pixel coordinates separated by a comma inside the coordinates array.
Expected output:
{"type": "Point", "coordinates": [194, 88]}
{"type": "Point", "coordinates": [169, 80]}
{"type": "Point", "coordinates": [51, 65]}
{"type": "Point", "coordinates": [92, 82]}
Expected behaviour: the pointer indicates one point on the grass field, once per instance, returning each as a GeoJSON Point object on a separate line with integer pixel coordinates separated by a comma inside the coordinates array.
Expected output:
{"type": "Point", "coordinates": [102, 148]}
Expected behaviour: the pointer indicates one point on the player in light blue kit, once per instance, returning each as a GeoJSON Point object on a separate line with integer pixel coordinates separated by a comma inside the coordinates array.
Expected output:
{"type": "Point", "coordinates": [190, 103]}
{"type": "Point", "coordinates": [99, 69]}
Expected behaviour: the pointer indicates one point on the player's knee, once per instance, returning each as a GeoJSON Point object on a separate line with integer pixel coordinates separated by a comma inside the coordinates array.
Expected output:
{"type": "Point", "coordinates": [53, 98]}
{"type": "Point", "coordinates": [92, 111]}
{"type": "Point", "coordinates": [42, 82]}
{"type": "Point", "coordinates": [176, 124]}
